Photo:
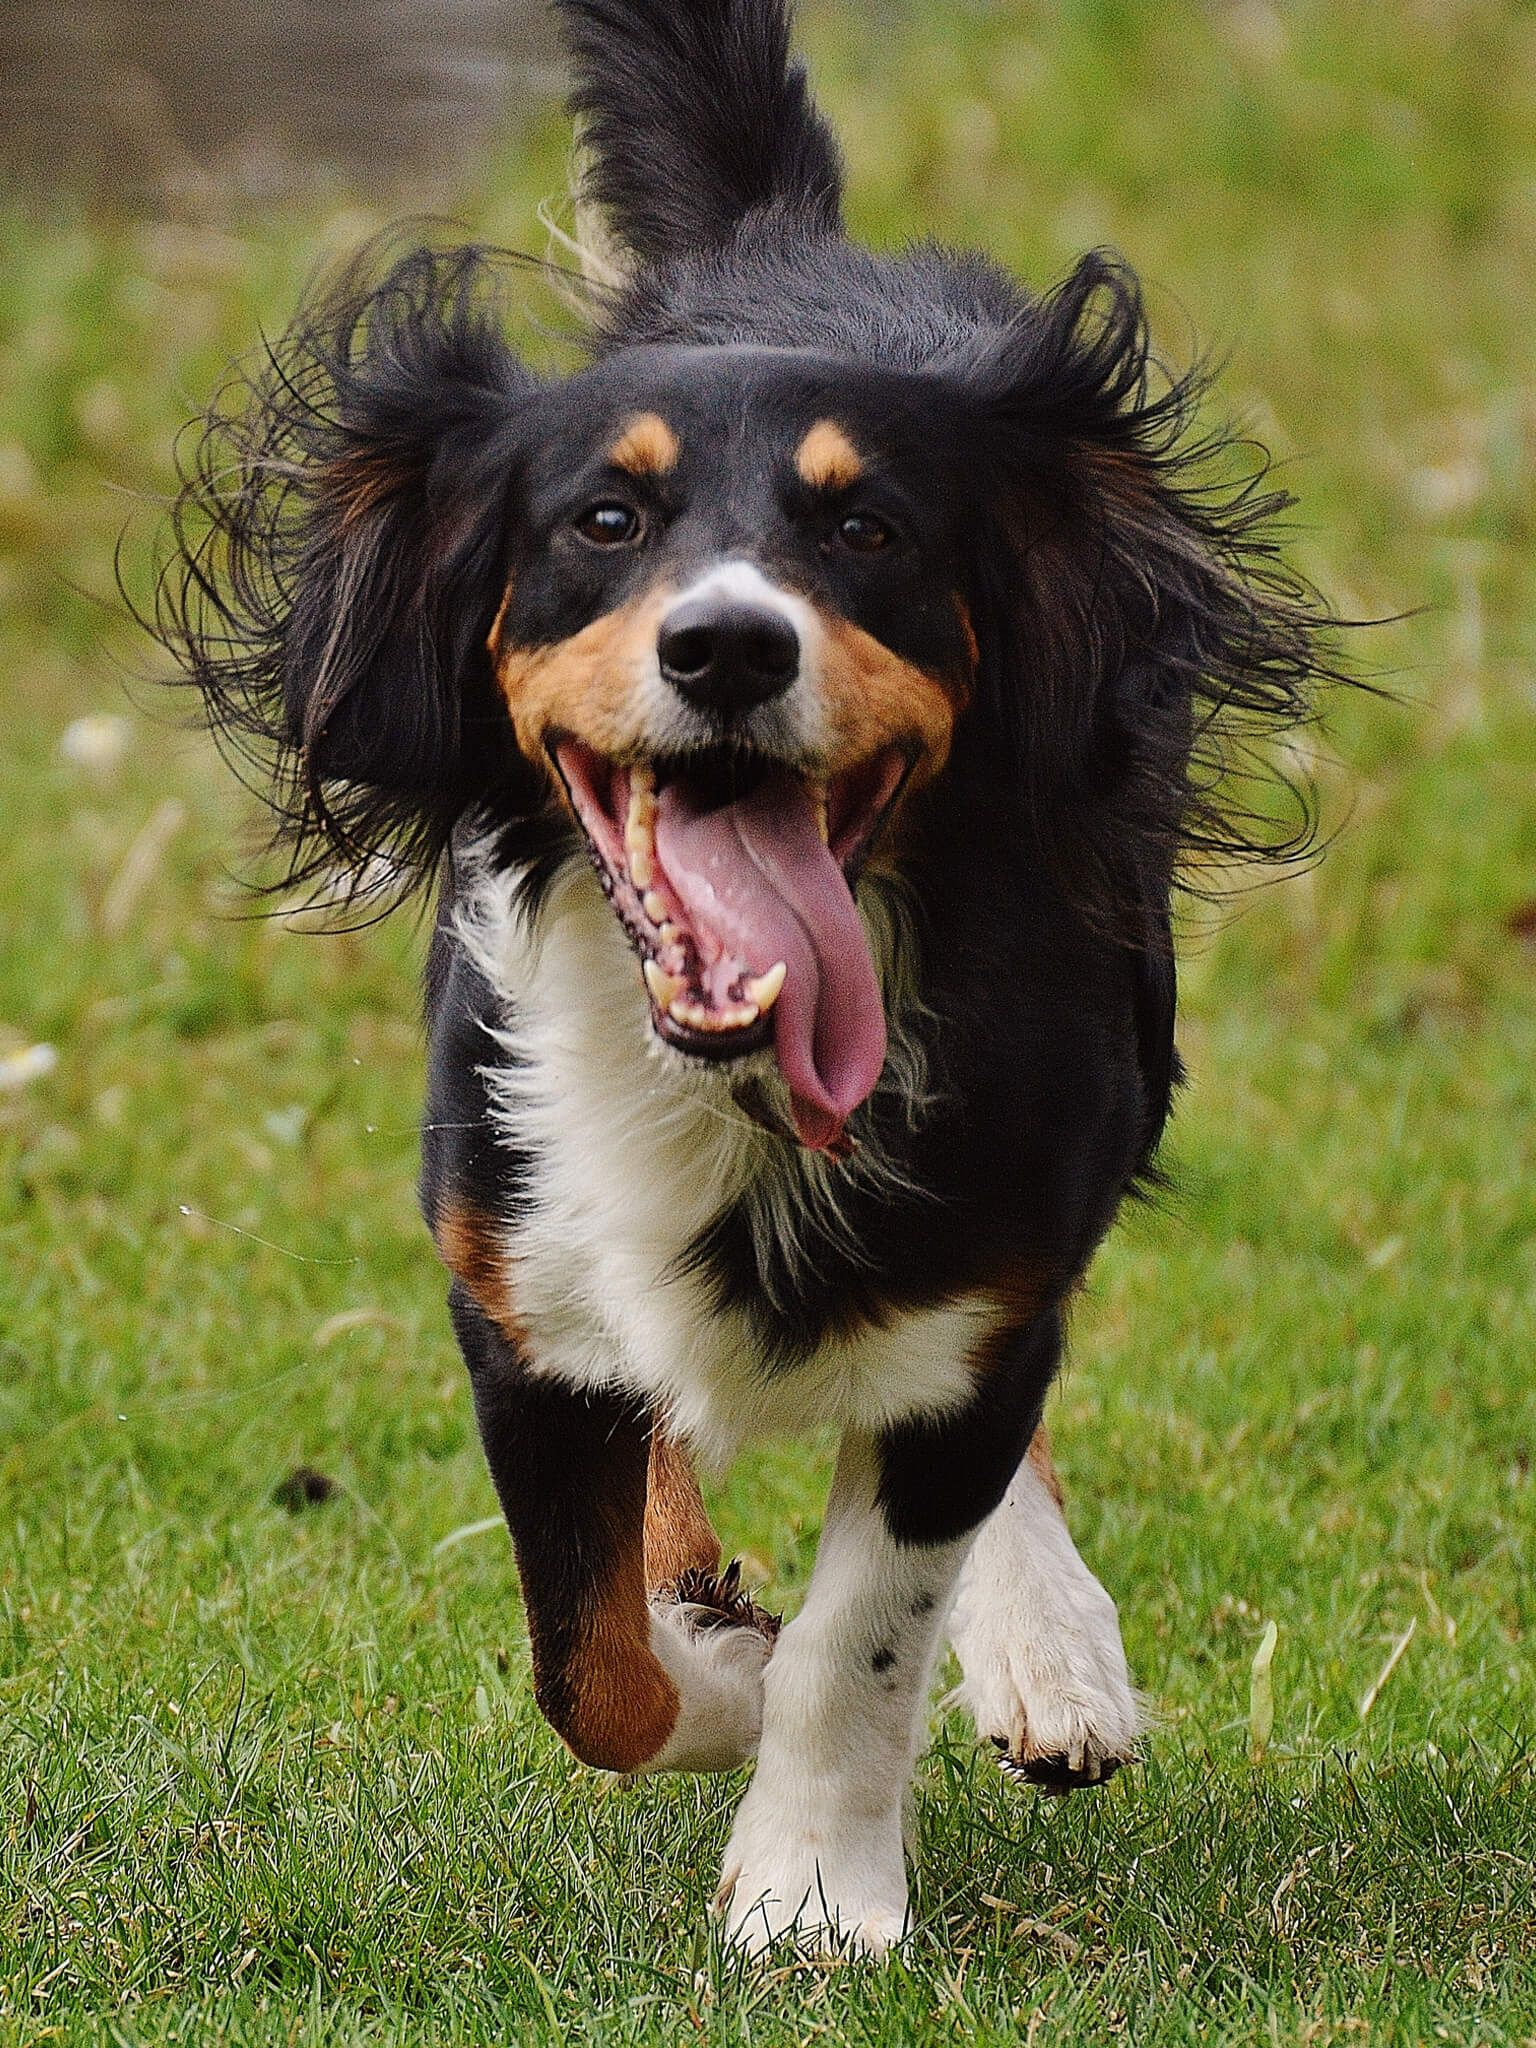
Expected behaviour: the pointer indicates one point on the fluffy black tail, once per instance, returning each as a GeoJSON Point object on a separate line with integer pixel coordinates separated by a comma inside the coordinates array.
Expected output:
{"type": "Point", "coordinates": [694, 116]}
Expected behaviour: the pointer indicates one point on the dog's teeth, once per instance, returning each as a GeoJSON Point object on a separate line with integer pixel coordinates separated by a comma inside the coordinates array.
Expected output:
{"type": "Point", "coordinates": [819, 804]}
{"type": "Point", "coordinates": [665, 988]}
{"type": "Point", "coordinates": [763, 993]}
{"type": "Point", "coordinates": [741, 1016]}
{"type": "Point", "coordinates": [694, 1015]}
{"type": "Point", "coordinates": [669, 933]}
{"type": "Point", "coordinates": [640, 828]}
{"type": "Point", "coordinates": [655, 907]}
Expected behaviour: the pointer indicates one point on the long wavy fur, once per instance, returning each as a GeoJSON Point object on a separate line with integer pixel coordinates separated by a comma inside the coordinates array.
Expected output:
{"type": "Point", "coordinates": [1164, 643]}
{"type": "Point", "coordinates": [340, 538]}
{"type": "Point", "coordinates": [333, 569]}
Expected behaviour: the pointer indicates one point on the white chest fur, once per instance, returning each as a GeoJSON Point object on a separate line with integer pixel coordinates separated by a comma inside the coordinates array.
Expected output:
{"type": "Point", "coordinates": [634, 1152]}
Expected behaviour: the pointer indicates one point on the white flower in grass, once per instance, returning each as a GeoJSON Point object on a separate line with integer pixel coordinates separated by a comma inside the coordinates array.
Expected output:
{"type": "Point", "coordinates": [97, 742]}
{"type": "Point", "coordinates": [26, 1063]}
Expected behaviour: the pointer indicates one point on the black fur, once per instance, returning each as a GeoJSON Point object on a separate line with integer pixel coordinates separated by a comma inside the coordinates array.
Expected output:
{"type": "Point", "coordinates": [338, 544]}
{"type": "Point", "coordinates": [695, 119]}
{"type": "Point", "coordinates": [358, 505]}
{"type": "Point", "coordinates": [569, 1469]}
{"type": "Point", "coordinates": [942, 1475]}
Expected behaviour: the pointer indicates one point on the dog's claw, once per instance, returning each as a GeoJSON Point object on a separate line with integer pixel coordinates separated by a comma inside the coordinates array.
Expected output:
{"type": "Point", "coordinates": [1055, 1774]}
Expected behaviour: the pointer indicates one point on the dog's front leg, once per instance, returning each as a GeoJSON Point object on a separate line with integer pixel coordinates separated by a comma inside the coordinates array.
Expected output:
{"type": "Point", "coordinates": [634, 1673]}
{"type": "Point", "coordinates": [817, 1844]}
{"type": "Point", "coordinates": [570, 1471]}
{"type": "Point", "coordinates": [1039, 1640]}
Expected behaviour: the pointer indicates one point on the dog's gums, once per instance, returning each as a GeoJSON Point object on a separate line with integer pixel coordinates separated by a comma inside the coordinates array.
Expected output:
{"type": "Point", "coordinates": [732, 876]}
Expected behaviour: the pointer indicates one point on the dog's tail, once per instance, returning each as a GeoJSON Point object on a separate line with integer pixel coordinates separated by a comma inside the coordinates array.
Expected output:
{"type": "Point", "coordinates": [694, 116]}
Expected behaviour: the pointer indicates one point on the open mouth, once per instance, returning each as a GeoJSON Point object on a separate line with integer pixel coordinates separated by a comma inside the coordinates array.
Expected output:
{"type": "Point", "coordinates": [733, 877]}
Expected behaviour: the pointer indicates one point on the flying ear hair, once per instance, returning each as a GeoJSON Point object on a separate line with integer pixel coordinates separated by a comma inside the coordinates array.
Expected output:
{"type": "Point", "coordinates": [337, 543]}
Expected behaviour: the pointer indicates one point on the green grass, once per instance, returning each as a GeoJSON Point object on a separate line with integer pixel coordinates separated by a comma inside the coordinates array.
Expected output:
{"type": "Point", "coordinates": [276, 1777]}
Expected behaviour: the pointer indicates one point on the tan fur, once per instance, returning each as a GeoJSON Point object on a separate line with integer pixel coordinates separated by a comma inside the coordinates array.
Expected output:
{"type": "Point", "coordinates": [588, 685]}
{"type": "Point", "coordinates": [469, 1245]}
{"type": "Point", "coordinates": [619, 1705]}
{"type": "Point", "coordinates": [647, 446]}
{"type": "Point", "coordinates": [876, 700]}
{"type": "Point", "coordinates": [827, 460]}
{"type": "Point", "coordinates": [1039, 1455]}
{"type": "Point", "coordinates": [963, 613]}
{"type": "Point", "coordinates": [679, 1536]}
{"type": "Point", "coordinates": [493, 638]}
{"type": "Point", "coordinates": [610, 1699]}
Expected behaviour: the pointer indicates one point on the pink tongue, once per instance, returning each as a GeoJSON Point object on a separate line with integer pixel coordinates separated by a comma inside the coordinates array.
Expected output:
{"type": "Point", "coordinates": [756, 876]}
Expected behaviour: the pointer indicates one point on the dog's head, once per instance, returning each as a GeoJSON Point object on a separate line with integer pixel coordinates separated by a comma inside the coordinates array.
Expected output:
{"type": "Point", "coordinates": [808, 526]}
{"type": "Point", "coordinates": [733, 626]}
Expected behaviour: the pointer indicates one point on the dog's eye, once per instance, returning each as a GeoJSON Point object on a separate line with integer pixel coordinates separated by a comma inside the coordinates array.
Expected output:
{"type": "Point", "coordinates": [863, 533]}
{"type": "Point", "coordinates": [608, 525]}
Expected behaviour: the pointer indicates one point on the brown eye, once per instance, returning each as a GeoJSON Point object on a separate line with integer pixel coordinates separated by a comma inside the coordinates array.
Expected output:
{"type": "Point", "coordinates": [863, 533]}
{"type": "Point", "coordinates": [608, 525]}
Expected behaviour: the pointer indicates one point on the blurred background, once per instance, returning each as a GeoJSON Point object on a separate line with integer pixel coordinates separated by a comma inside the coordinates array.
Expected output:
{"type": "Point", "coordinates": [193, 106]}
{"type": "Point", "coordinates": [1301, 1389]}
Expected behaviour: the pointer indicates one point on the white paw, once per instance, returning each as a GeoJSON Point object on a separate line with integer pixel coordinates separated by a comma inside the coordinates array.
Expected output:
{"type": "Point", "coordinates": [1039, 1641]}
{"type": "Point", "coordinates": [835, 1882]}
{"type": "Point", "coordinates": [717, 1667]}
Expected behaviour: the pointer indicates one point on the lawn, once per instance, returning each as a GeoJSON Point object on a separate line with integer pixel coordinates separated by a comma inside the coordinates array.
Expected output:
{"type": "Point", "coordinates": [271, 1773]}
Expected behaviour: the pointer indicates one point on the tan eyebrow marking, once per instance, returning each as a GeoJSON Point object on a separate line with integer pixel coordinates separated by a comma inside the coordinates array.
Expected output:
{"type": "Point", "coordinates": [647, 446]}
{"type": "Point", "coordinates": [827, 460]}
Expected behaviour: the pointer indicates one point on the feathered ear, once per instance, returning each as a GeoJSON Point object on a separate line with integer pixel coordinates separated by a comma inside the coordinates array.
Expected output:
{"type": "Point", "coordinates": [695, 116]}
{"type": "Point", "coordinates": [1148, 638]}
{"type": "Point", "coordinates": [339, 542]}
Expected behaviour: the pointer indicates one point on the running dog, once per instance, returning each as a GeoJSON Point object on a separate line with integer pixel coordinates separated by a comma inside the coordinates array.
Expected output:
{"type": "Point", "coordinates": [803, 710]}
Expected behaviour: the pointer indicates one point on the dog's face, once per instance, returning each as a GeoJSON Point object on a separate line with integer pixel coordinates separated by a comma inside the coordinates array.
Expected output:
{"type": "Point", "coordinates": [726, 605]}
{"type": "Point", "coordinates": [732, 627]}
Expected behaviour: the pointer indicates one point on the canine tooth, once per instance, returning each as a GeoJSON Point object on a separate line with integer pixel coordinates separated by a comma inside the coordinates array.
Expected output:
{"type": "Point", "coordinates": [665, 988]}
{"type": "Point", "coordinates": [764, 992]}
{"type": "Point", "coordinates": [670, 933]}
{"type": "Point", "coordinates": [642, 866]}
{"type": "Point", "coordinates": [819, 802]}
{"type": "Point", "coordinates": [642, 776]}
{"type": "Point", "coordinates": [655, 907]}
{"type": "Point", "coordinates": [640, 817]}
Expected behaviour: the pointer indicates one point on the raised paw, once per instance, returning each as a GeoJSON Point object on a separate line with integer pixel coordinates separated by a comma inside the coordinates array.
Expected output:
{"type": "Point", "coordinates": [713, 1641]}
{"type": "Point", "coordinates": [1038, 1637]}
{"type": "Point", "coordinates": [716, 1600]}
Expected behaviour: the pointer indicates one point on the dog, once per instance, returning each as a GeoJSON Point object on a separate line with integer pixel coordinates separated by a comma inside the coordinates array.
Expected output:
{"type": "Point", "coordinates": [805, 710]}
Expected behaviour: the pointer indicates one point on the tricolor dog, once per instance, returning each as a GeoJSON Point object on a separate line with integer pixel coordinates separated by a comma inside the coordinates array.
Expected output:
{"type": "Point", "coordinates": [802, 710]}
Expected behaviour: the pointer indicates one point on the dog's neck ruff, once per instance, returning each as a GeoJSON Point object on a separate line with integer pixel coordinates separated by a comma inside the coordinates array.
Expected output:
{"type": "Point", "coordinates": [634, 1152]}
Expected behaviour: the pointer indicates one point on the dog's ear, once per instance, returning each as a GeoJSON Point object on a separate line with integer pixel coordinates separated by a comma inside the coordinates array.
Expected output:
{"type": "Point", "coordinates": [694, 117]}
{"type": "Point", "coordinates": [340, 543]}
{"type": "Point", "coordinates": [1142, 636]}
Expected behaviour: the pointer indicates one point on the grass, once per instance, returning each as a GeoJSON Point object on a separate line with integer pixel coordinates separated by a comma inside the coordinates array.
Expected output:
{"type": "Point", "coordinates": [274, 1776]}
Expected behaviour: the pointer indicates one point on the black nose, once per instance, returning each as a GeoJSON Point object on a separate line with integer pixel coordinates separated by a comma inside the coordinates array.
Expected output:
{"type": "Point", "coordinates": [727, 656]}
